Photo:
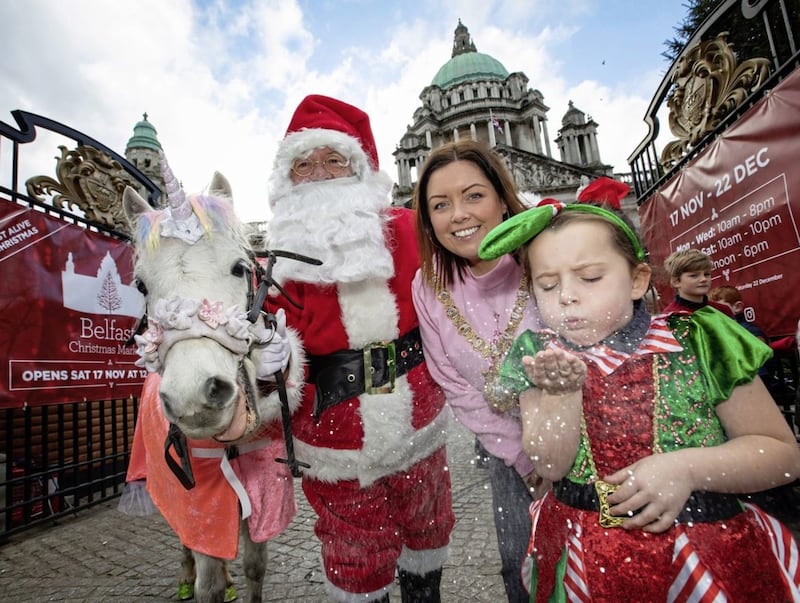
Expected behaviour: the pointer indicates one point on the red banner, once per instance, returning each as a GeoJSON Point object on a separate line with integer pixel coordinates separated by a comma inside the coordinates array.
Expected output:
{"type": "Point", "coordinates": [739, 202]}
{"type": "Point", "coordinates": [67, 310]}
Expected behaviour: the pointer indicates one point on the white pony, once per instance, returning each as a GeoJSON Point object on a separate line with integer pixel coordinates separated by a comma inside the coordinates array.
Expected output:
{"type": "Point", "coordinates": [187, 254]}
{"type": "Point", "coordinates": [197, 272]}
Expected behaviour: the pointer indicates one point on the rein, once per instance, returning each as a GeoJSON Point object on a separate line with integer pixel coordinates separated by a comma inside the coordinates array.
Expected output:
{"type": "Point", "coordinates": [265, 281]}
{"type": "Point", "coordinates": [255, 301]}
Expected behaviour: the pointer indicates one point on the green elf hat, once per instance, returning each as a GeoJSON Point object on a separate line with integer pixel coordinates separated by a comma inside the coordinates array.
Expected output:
{"type": "Point", "coordinates": [521, 228]}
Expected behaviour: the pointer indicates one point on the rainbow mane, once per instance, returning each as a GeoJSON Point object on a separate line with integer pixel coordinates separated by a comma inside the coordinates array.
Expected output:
{"type": "Point", "coordinates": [148, 230]}
{"type": "Point", "coordinates": [215, 215]}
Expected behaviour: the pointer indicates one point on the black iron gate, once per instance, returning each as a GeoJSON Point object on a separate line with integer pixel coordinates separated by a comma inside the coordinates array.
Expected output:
{"type": "Point", "coordinates": [62, 458]}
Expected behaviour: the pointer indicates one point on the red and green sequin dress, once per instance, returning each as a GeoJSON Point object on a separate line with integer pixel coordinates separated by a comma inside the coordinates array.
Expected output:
{"type": "Point", "coordinates": [658, 397]}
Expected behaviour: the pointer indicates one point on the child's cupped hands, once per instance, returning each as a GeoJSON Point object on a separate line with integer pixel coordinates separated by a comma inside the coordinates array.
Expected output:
{"type": "Point", "coordinates": [651, 493]}
{"type": "Point", "coordinates": [555, 371]}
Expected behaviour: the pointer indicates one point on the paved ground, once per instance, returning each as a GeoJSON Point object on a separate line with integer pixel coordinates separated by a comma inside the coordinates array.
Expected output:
{"type": "Point", "coordinates": [103, 556]}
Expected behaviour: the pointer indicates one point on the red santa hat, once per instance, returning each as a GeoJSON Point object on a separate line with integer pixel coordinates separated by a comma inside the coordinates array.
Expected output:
{"type": "Point", "coordinates": [604, 190]}
{"type": "Point", "coordinates": [322, 121]}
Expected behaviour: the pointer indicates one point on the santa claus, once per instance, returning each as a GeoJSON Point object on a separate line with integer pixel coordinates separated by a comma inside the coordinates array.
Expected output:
{"type": "Point", "coordinates": [372, 422]}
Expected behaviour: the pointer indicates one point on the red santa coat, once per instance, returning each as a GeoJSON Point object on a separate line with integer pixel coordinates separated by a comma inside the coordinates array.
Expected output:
{"type": "Point", "coordinates": [373, 435]}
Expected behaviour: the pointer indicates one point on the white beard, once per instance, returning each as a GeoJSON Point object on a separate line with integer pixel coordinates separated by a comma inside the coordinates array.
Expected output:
{"type": "Point", "coordinates": [336, 221]}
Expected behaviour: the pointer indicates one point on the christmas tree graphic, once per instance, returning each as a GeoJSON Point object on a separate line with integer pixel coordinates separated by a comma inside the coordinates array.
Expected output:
{"type": "Point", "coordinates": [109, 297]}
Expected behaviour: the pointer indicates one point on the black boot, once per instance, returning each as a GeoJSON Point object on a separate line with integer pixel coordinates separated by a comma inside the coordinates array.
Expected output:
{"type": "Point", "coordinates": [420, 589]}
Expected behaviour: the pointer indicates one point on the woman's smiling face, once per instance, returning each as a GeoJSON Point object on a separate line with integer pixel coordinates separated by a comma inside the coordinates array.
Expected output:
{"type": "Point", "coordinates": [463, 207]}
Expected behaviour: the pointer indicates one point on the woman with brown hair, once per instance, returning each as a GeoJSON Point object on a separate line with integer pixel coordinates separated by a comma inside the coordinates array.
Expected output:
{"type": "Point", "coordinates": [470, 311]}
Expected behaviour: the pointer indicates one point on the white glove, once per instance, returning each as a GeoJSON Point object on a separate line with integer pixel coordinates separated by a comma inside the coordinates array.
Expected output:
{"type": "Point", "coordinates": [271, 351]}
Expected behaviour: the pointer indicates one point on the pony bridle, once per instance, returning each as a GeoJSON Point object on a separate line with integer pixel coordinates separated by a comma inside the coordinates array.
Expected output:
{"type": "Point", "coordinates": [178, 319]}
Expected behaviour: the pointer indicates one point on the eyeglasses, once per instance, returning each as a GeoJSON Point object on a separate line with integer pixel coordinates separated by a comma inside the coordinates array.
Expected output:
{"type": "Point", "coordinates": [334, 164]}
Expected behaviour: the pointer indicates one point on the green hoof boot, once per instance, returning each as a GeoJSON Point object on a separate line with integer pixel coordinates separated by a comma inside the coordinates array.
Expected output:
{"type": "Point", "coordinates": [185, 591]}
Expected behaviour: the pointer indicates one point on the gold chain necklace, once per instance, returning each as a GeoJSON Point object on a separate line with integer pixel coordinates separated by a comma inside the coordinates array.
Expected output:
{"type": "Point", "coordinates": [497, 348]}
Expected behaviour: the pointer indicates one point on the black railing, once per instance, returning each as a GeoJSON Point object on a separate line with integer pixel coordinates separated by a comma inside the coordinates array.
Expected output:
{"type": "Point", "coordinates": [59, 459]}
{"type": "Point", "coordinates": [755, 28]}
{"type": "Point", "coordinates": [26, 132]}
{"type": "Point", "coordinates": [62, 458]}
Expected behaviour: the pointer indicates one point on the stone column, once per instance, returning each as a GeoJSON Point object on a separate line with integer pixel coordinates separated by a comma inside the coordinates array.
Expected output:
{"type": "Point", "coordinates": [546, 137]}
{"type": "Point", "coordinates": [595, 148]}
{"type": "Point", "coordinates": [574, 150]}
{"type": "Point", "coordinates": [589, 150]}
{"type": "Point", "coordinates": [401, 168]}
{"type": "Point", "coordinates": [537, 141]}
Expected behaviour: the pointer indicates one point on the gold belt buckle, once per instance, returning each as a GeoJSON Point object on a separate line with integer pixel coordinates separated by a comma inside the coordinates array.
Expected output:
{"type": "Point", "coordinates": [607, 520]}
{"type": "Point", "coordinates": [391, 366]}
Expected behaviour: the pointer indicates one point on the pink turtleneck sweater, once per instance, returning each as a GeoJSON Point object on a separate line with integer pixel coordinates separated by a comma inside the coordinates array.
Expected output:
{"type": "Point", "coordinates": [485, 302]}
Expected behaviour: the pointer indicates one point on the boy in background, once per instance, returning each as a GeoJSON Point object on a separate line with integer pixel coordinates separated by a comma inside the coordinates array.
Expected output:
{"type": "Point", "coordinates": [689, 273]}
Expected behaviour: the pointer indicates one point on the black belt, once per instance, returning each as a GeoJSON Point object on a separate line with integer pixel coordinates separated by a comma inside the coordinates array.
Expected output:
{"type": "Point", "coordinates": [700, 506]}
{"type": "Point", "coordinates": [347, 374]}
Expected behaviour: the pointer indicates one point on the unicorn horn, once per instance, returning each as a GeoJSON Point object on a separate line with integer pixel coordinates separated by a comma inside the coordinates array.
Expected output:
{"type": "Point", "coordinates": [181, 209]}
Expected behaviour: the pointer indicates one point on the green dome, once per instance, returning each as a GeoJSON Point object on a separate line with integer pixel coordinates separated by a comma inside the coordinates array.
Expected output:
{"type": "Point", "coordinates": [144, 136]}
{"type": "Point", "coordinates": [469, 66]}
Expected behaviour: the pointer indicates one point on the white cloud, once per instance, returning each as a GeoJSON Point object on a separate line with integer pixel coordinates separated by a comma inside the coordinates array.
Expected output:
{"type": "Point", "coordinates": [220, 80]}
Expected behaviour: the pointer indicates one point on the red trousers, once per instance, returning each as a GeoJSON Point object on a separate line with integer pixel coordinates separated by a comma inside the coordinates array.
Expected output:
{"type": "Point", "coordinates": [363, 530]}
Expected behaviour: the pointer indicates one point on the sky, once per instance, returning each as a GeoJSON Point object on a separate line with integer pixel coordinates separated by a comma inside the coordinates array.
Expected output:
{"type": "Point", "coordinates": [219, 80]}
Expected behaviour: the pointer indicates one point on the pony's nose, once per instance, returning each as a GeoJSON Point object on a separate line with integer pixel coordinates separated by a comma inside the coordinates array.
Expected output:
{"type": "Point", "coordinates": [218, 392]}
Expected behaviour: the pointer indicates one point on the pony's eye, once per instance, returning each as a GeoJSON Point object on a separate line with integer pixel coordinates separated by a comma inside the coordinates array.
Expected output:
{"type": "Point", "coordinates": [239, 268]}
{"type": "Point", "coordinates": [141, 286]}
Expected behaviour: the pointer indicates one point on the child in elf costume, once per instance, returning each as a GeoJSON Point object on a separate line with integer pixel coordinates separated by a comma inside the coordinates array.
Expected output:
{"type": "Point", "coordinates": [648, 427]}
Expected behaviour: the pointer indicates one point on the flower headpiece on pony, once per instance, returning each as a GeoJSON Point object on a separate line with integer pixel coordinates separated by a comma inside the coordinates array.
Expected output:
{"type": "Point", "coordinates": [521, 228]}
